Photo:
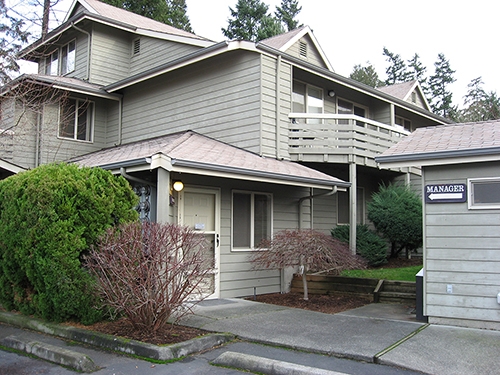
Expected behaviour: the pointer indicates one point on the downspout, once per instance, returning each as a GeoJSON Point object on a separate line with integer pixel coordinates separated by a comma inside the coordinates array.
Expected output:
{"type": "Point", "coordinates": [135, 179]}
{"type": "Point", "coordinates": [311, 197]}
{"type": "Point", "coordinates": [38, 139]}
{"type": "Point", "coordinates": [120, 120]}
{"type": "Point", "coordinates": [88, 47]}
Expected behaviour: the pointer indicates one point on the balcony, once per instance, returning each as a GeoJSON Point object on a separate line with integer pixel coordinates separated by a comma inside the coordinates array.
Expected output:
{"type": "Point", "coordinates": [336, 138]}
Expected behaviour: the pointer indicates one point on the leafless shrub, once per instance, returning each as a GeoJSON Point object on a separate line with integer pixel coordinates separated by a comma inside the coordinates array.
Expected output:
{"type": "Point", "coordinates": [309, 249]}
{"type": "Point", "coordinates": [148, 271]}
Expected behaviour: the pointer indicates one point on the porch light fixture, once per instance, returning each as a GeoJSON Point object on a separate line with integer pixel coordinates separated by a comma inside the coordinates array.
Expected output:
{"type": "Point", "coordinates": [331, 93]}
{"type": "Point", "coordinates": [178, 185]}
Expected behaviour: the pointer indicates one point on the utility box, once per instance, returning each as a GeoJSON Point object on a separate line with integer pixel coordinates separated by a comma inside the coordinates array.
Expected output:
{"type": "Point", "coordinates": [420, 296]}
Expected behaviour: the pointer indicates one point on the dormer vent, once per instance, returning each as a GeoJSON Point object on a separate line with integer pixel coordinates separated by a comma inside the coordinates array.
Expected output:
{"type": "Point", "coordinates": [303, 49]}
{"type": "Point", "coordinates": [137, 46]}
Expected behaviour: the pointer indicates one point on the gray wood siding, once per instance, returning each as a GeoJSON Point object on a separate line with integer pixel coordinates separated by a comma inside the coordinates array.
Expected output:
{"type": "Point", "coordinates": [313, 56]}
{"type": "Point", "coordinates": [111, 51]}
{"type": "Point", "coordinates": [237, 277]}
{"type": "Point", "coordinates": [154, 52]}
{"type": "Point", "coordinates": [53, 148]}
{"type": "Point", "coordinates": [219, 98]}
{"type": "Point", "coordinates": [463, 250]}
{"type": "Point", "coordinates": [269, 97]}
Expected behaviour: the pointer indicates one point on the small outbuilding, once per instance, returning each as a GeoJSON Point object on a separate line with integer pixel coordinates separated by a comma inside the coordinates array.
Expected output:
{"type": "Point", "coordinates": [461, 216]}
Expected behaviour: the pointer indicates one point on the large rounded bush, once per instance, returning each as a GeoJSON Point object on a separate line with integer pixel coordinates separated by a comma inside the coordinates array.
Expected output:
{"type": "Point", "coordinates": [49, 217]}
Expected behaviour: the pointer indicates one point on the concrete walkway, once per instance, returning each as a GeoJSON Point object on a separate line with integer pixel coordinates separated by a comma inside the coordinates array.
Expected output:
{"type": "Point", "coordinates": [381, 333]}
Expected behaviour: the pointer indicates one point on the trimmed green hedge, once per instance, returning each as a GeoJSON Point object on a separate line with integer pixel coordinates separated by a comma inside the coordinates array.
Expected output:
{"type": "Point", "coordinates": [49, 218]}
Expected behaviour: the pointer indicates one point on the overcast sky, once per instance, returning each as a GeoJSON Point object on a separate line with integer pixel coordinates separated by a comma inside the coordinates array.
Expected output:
{"type": "Point", "coordinates": [355, 31]}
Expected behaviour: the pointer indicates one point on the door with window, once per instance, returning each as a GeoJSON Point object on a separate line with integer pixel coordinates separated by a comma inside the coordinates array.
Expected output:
{"type": "Point", "coordinates": [199, 209]}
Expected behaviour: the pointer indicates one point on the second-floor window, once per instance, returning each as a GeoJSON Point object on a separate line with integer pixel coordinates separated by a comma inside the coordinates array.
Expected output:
{"type": "Point", "coordinates": [61, 61]}
{"type": "Point", "coordinates": [77, 119]}
{"type": "Point", "coordinates": [405, 123]}
{"type": "Point", "coordinates": [251, 219]}
{"type": "Point", "coordinates": [307, 99]}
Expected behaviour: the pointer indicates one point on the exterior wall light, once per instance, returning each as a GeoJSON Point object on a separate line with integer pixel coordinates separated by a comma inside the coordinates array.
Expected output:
{"type": "Point", "coordinates": [331, 93]}
{"type": "Point", "coordinates": [178, 185]}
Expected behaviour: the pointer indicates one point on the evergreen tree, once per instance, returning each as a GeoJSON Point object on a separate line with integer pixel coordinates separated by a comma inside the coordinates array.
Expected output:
{"type": "Point", "coordinates": [171, 12]}
{"type": "Point", "coordinates": [478, 104]}
{"type": "Point", "coordinates": [417, 71]}
{"type": "Point", "coordinates": [441, 97]}
{"type": "Point", "coordinates": [366, 75]}
{"type": "Point", "coordinates": [287, 12]}
{"type": "Point", "coordinates": [250, 21]}
{"type": "Point", "coordinates": [397, 71]}
{"type": "Point", "coordinates": [13, 36]}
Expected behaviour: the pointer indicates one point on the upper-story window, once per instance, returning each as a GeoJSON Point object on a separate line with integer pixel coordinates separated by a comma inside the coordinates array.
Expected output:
{"type": "Point", "coordinates": [63, 65]}
{"type": "Point", "coordinates": [345, 107]}
{"type": "Point", "coordinates": [405, 123]}
{"type": "Point", "coordinates": [307, 99]}
{"type": "Point", "coordinates": [77, 119]}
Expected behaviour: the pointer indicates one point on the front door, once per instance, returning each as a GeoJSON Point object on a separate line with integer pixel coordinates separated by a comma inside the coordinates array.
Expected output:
{"type": "Point", "coordinates": [199, 209]}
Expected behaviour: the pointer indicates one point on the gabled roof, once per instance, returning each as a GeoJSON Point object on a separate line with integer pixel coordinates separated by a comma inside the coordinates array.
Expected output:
{"type": "Point", "coordinates": [190, 152]}
{"type": "Point", "coordinates": [120, 18]}
{"type": "Point", "coordinates": [284, 41]}
{"type": "Point", "coordinates": [404, 90]}
{"type": "Point", "coordinates": [446, 144]}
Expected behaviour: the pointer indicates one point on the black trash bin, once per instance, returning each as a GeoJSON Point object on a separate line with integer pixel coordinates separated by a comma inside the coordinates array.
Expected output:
{"type": "Point", "coordinates": [420, 296]}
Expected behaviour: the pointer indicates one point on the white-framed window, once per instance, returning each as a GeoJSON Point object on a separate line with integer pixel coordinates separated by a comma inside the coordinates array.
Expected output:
{"type": "Point", "coordinates": [307, 99]}
{"type": "Point", "coordinates": [404, 122]}
{"type": "Point", "coordinates": [67, 55]}
{"type": "Point", "coordinates": [345, 107]}
{"type": "Point", "coordinates": [52, 63]}
{"type": "Point", "coordinates": [251, 219]}
{"type": "Point", "coordinates": [77, 120]}
{"type": "Point", "coordinates": [484, 193]}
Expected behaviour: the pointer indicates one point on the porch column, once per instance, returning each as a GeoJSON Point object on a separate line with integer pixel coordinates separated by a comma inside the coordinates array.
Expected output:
{"type": "Point", "coordinates": [352, 206]}
{"type": "Point", "coordinates": [163, 214]}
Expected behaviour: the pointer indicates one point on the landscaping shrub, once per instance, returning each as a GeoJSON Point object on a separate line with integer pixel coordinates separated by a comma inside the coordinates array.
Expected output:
{"type": "Point", "coordinates": [396, 213]}
{"type": "Point", "coordinates": [309, 249]}
{"type": "Point", "coordinates": [148, 271]}
{"type": "Point", "coordinates": [368, 244]}
{"type": "Point", "coordinates": [49, 217]}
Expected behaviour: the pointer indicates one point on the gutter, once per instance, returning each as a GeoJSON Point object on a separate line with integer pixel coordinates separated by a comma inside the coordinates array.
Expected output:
{"type": "Point", "coordinates": [89, 38]}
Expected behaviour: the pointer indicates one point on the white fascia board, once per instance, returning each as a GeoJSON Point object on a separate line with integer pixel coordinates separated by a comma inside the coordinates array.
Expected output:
{"type": "Point", "coordinates": [175, 38]}
{"type": "Point", "coordinates": [438, 161]}
{"type": "Point", "coordinates": [115, 97]}
{"type": "Point", "coordinates": [10, 167]}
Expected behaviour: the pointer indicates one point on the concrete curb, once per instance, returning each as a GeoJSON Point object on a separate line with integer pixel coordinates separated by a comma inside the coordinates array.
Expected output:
{"type": "Point", "coordinates": [267, 366]}
{"type": "Point", "coordinates": [161, 353]}
{"type": "Point", "coordinates": [61, 356]}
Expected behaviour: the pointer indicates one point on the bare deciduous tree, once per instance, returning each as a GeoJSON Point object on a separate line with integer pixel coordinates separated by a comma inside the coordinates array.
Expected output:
{"type": "Point", "coordinates": [148, 271]}
{"type": "Point", "coordinates": [308, 249]}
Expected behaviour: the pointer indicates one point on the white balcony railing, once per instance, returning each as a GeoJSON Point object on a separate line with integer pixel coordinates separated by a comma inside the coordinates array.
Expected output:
{"type": "Point", "coordinates": [335, 136]}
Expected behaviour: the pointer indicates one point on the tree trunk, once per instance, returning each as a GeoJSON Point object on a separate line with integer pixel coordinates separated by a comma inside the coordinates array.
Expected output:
{"type": "Point", "coordinates": [304, 281]}
{"type": "Point", "coordinates": [45, 18]}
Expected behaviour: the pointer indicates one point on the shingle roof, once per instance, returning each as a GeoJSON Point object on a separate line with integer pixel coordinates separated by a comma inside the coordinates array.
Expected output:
{"type": "Point", "coordinates": [280, 40]}
{"type": "Point", "coordinates": [455, 140]}
{"type": "Point", "coordinates": [399, 90]}
{"type": "Point", "coordinates": [204, 152]}
{"type": "Point", "coordinates": [141, 22]}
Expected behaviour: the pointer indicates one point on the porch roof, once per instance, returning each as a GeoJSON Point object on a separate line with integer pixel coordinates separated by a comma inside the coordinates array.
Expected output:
{"type": "Point", "coordinates": [190, 152]}
{"type": "Point", "coordinates": [446, 144]}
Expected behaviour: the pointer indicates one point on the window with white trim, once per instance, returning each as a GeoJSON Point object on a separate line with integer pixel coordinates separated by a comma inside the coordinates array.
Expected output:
{"type": "Point", "coordinates": [77, 120]}
{"type": "Point", "coordinates": [62, 61]}
{"type": "Point", "coordinates": [404, 122]}
{"type": "Point", "coordinates": [251, 219]}
{"type": "Point", "coordinates": [484, 193]}
{"type": "Point", "coordinates": [307, 99]}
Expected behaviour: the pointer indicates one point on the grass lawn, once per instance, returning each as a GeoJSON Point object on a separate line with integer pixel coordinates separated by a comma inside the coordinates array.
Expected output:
{"type": "Point", "coordinates": [401, 274]}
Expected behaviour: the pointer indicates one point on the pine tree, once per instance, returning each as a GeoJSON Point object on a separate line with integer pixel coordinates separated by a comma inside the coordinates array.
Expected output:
{"type": "Point", "coordinates": [478, 104]}
{"type": "Point", "coordinates": [13, 36]}
{"type": "Point", "coordinates": [397, 71]}
{"type": "Point", "coordinates": [250, 21]}
{"type": "Point", "coordinates": [366, 75]}
{"type": "Point", "coordinates": [287, 12]}
{"type": "Point", "coordinates": [171, 12]}
{"type": "Point", "coordinates": [417, 71]}
{"type": "Point", "coordinates": [441, 97]}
